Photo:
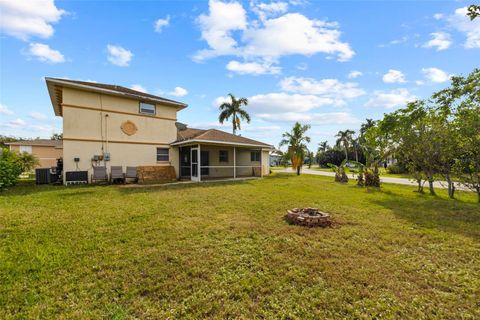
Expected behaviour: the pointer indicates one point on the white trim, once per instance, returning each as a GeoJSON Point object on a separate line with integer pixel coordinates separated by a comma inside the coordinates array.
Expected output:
{"type": "Point", "coordinates": [234, 164]}
{"type": "Point", "coordinates": [230, 166]}
{"type": "Point", "coordinates": [222, 143]}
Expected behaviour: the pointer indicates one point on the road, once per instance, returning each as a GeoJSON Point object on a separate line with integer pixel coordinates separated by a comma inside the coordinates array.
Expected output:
{"type": "Point", "coordinates": [436, 184]}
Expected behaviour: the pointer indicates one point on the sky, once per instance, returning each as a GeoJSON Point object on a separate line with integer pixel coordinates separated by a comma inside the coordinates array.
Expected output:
{"type": "Point", "coordinates": [330, 64]}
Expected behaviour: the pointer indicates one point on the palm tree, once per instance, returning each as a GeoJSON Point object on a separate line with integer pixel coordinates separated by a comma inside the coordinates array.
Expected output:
{"type": "Point", "coordinates": [323, 146]}
{"type": "Point", "coordinates": [297, 144]}
{"type": "Point", "coordinates": [234, 110]}
{"type": "Point", "coordinates": [345, 138]}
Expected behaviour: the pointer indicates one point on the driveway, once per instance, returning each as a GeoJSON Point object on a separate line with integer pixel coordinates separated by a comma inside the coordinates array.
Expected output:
{"type": "Point", "coordinates": [436, 184]}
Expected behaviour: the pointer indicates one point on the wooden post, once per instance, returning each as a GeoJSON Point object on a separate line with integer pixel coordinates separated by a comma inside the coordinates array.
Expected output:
{"type": "Point", "coordinates": [199, 164]}
{"type": "Point", "coordinates": [234, 163]}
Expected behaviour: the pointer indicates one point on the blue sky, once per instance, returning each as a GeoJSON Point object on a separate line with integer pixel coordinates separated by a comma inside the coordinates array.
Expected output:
{"type": "Point", "coordinates": [330, 64]}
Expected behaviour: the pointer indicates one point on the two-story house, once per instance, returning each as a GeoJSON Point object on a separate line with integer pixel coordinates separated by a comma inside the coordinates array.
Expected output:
{"type": "Point", "coordinates": [111, 125]}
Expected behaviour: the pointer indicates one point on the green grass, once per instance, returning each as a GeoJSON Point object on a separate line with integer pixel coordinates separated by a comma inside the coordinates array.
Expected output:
{"type": "Point", "coordinates": [224, 250]}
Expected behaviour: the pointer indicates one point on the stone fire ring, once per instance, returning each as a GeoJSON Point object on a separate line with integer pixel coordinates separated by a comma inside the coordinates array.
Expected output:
{"type": "Point", "coordinates": [309, 217]}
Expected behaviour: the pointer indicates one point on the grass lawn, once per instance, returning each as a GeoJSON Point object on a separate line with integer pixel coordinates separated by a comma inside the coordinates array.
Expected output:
{"type": "Point", "coordinates": [223, 250]}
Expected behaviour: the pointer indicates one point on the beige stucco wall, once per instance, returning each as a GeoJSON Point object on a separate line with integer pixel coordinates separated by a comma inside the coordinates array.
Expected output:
{"type": "Point", "coordinates": [85, 127]}
{"type": "Point", "coordinates": [46, 155]}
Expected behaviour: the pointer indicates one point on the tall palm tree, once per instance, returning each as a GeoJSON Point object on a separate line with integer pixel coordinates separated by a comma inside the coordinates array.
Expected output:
{"type": "Point", "coordinates": [297, 144]}
{"type": "Point", "coordinates": [345, 139]}
{"type": "Point", "coordinates": [234, 110]}
{"type": "Point", "coordinates": [323, 146]}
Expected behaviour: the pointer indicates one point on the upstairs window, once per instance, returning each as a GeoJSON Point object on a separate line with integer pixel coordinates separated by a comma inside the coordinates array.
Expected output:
{"type": "Point", "coordinates": [223, 156]}
{"type": "Point", "coordinates": [255, 156]}
{"type": "Point", "coordinates": [147, 108]}
{"type": "Point", "coordinates": [162, 154]}
{"type": "Point", "coordinates": [27, 149]}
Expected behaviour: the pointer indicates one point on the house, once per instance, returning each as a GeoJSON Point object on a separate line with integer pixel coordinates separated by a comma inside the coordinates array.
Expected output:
{"type": "Point", "coordinates": [275, 158]}
{"type": "Point", "coordinates": [46, 151]}
{"type": "Point", "coordinates": [110, 125]}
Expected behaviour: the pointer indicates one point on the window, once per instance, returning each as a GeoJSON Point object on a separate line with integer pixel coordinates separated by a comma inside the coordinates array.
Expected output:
{"type": "Point", "coordinates": [27, 149]}
{"type": "Point", "coordinates": [223, 156]}
{"type": "Point", "coordinates": [162, 154]}
{"type": "Point", "coordinates": [147, 108]}
{"type": "Point", "coordinates": [255, 156]}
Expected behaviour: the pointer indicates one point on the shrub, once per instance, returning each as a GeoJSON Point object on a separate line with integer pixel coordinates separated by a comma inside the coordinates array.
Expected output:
{"type": "Point", "coordinates": [10, 168]}
{"type": "Point", "coordinates": [372, 178]}
{"type": "Point", "coordinates": [396, 168]}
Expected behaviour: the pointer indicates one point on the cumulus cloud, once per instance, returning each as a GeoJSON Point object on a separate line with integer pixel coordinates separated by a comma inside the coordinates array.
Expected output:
{"type": "Point", "coordinates": [438, 16]}
{"type": "Point", "coordinates": [253, 68]}
{"type": "Point", "coordinates": [17, 123]}
{"type": "Point", "coordinates": [440, 41]}
{"type": "Point", "coordinates": [37, 116]}
{"type": "Point", "coordinates": [312, 118]}
{"type": "Point", "coordinates": [178, 92]}
{"type": "Point", "coordinates": [5, 110]}
{"type": "Point", "coordinates": [354, 74]}
{"type": "Point", "coordinates": [138, 87]}
{"type": "Point", "coordinates": [161, 23]}
{"type": "Point", "coordinates": [227, 32]}
{"type": "Point", "coordinates": [285, 102]}
{"type": "Point", "coordinates": [326, 88]}
{"type": "Point", "coordinates": [23, 19]}
{"type": "Point", "coordinates": [462, 23]}
{"type": "Point", "coordinates": [394, 76]}
{"type": "Point", "coordinates": [119, 56]}
{"type": "Point", "coordinates": [390, 99]}
{"type": "Point", "coordinates": [44, 53]}
{"type": "Point", "coordinates": [436, 75]}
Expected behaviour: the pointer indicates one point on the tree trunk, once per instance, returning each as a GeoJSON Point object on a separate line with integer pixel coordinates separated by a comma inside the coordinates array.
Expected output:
{"type": "Point", "coordinates": [234, 124]}
{"type": "Point", "coordinates": [346, 153]}
{"type": "Point", "coordinates": [451, 186]}
{"type": "Point", "coordinates": [420, 185]}
{"type": "Point", "coordinates": [356, 155]}
{"type": "Point", "coordinates": [298, 170]}
{"type": "Point", "coordinates": [430, 186]}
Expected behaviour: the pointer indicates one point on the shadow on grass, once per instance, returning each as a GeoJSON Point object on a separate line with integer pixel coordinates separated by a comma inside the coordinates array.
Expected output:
{"type": "Point", "coordinates": [432, 212]}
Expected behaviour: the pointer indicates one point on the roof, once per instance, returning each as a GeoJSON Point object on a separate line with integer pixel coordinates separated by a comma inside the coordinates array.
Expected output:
{"type": "Point", "coordinates": [55, 86]}
{"type": "Point", "coordinates": [38, 142]}
{"type": "Point", "coordinates": [215, 136]}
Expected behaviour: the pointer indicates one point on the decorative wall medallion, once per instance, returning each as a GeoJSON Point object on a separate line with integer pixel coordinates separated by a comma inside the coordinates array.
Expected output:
{"type": "Point", "coordinates": [129, 128]}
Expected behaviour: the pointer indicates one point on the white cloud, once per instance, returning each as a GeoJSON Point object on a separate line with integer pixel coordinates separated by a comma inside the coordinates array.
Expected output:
{"type": "Point", "coordinates": [419, 82]}
{"type": "Point", "coordinates": [179, 92]}
{"type": "Point", "coordinates": [119, 56]}
{"type": "Point", "coordinates": [161, 23]}
{"type": "Point", "coordinates": [37, 116]}
{"type": "Point", "coordinates": [227, 32]}
{"type": "Point", "coordinates": [436, 75]}
{"type": "Point", "coordinates": [4, 110]}
{"type": "Point", "coordinates": [311, 118]}
{"type": "Point", "coordinates": [461, 22]}
{"type": "Point", "coordinates": [302, 66]}
{"type": "Point", "coordinates": [253, 68]}
{"type": "Point", "coordinates": [440, 40]}
{"type": "Point", "coordinates": [17, 123]}
{"type": "Point", "coordinates": [44, 128]}
{"type": "Point", "coordinates": [284, 102]}
{"type": "Point", "coordinates": [44, 53]}
{"type": "Point", "coordinates": [23, 19]}
{"type": "Point", "coordinates": [438, 16]}
{"type": "Point", "coordinates": [327, 88]}
{"type": "Point", "coordinates": [138, 87]}
{"type": "Point", "coordinates": [390, 99]}
{"type": "Point", "coordinates": [394, 76]}
{"type": "Point", "coordinates": [354, 74]}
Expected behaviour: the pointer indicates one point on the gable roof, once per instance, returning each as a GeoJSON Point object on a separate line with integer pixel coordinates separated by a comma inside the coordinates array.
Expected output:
{"type": "Point", "coordinates": [55, 86]}
{"type": "Point", "coordinates": [215, 136]}
{"type": "Point", "coordinates": [38, 142]}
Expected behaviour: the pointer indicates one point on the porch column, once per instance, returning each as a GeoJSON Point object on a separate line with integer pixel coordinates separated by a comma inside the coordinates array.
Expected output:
{"type": "Point", "coordinates": [261, 163]}
{"type": "Point", "coordinates": [234, 163]}
{"type": "Point", "coordinates": [199, 164]}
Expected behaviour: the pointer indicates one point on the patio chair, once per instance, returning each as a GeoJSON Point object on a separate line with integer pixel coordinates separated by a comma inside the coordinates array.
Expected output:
{"type": "Point", "coordinates": [116, 173]}
{"type": "Point", "coordinates": [132, 173]}
{"type": "Point", "coordinates": [100, 174]}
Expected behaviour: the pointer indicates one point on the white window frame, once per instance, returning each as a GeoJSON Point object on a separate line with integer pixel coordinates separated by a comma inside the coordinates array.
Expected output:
{"type": "Point", "coordinates": [259, 156]}
{"type": "Point", "coordinates": [163, 155]}
{"type": "Point", "coordinates": [27, 149]}
{"type": "Point", "coordinates": [147, 105]}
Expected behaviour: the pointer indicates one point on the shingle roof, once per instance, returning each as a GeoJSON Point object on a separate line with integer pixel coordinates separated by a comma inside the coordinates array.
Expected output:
{"type": "Point", "coordinates": [55, 84]}
{"type": "Point", "coordinates": [38, 142]}
{"type": "Point", "coordinates": [214, 135]}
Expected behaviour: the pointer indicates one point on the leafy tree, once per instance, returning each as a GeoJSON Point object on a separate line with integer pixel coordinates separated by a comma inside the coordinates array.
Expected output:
{"type": "Point", "coordinates": [10, 168]}
{"type": "Point", "coordinates": [345, 139]}
{"type": "Point", "coordinates": [57, 136]}
{"type": "Point", "coordinates": [473, 11]}
{"type": "Point", "coordinates": [27, 161]}
{"type": "Point", "coordinates": [296, 140]}
{"type": "Point", "coordinates": [233, 110]}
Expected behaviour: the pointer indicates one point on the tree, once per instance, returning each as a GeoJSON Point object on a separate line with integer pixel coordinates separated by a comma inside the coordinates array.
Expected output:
{"type": "Point", "coordinates": [345, 139]}
{"type": "Point", "coordinates": [296, 140]}
{"type": "Point", "coordinates": [473, 11]}
{"type": "Point", "coordinates": [56, 136]}
{"type": "Point", "coordinates": [233, 110]}
{"type": "Point", "coordinates": [27, 161]}
{"type": "Point", "coordinates": [10, 168]}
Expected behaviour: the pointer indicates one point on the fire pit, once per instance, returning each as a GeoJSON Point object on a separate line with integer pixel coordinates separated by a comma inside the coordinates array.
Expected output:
{"type": "Point", "coordinates": [309, 217]}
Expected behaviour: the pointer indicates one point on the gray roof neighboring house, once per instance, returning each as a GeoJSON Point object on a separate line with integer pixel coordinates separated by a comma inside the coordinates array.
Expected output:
{"type": "Point", "coordinates": [58, 144]}
{"type": "Point", "coordinates": [55, 86]}
{"type": "Point", "coordinates": [189, 136]}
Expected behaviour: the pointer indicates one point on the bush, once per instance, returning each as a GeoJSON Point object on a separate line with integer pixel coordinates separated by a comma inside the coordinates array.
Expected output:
{"type": "Point", "coordinates": [372, 178]}
{"type": "Point", "coordinates": [396, 168]}
{"type": "Point", "coordinates": [10, 168]}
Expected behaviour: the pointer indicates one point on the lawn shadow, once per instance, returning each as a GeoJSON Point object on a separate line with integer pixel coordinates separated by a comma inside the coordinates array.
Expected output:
{"type": "Point", "coordinates": [433, 212]}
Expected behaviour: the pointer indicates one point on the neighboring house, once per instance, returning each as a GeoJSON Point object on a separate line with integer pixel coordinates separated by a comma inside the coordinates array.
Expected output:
{"type": "Point", "coordinates": [275, 158]}
{"type": "Point", "coordinates": [46, 151]}
{"type": "Point", "coordinates": [115, 126]}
